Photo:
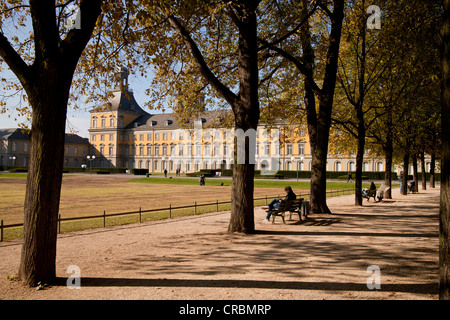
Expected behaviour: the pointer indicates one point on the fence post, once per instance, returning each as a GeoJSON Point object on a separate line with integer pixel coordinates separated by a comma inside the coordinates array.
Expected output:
{"type": "Point", "coordinates": [104, 218]}
{"type": "Point", "coordinates": [195, 208]}
{"type": "Point", "coordinates": [1, 231]}
{"type": "Point", "coordinates": [217, 205]}
{"type": "Point", "coordinates": [170, 210]}
{"type": "Point", "coordinates": [140, 218]}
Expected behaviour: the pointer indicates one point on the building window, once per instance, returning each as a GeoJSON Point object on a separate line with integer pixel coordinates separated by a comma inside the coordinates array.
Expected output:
{"type": "Point", "coordinates": [351, 166]}
{"type": "Point", "coordinates": [164, 136]}
{"type": "Point", "coordinates": [103, 124]}
{"type": "Point", "coordinates": [110, 150]}
{"type": "Point", "coordinates": [149, 150]}
{"type": "Point", "coordinates": [180, 149]}
{"type": "Point", "coordinates": [111, 121]}
{"type": "Point", "coordinates": [301, 148]}
{"type": "Point", "coordinates": [94, 122]}
{"type": "Point", "coordinates": [289, 149]}
{"type": "Point", "coordinates": [207, 151]}
{"type": "Point", "coordinates": [267, 149]}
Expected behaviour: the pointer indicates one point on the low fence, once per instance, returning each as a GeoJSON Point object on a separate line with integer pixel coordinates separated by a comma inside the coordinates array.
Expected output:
{"type": "Point", "coordinates": [170, 209]}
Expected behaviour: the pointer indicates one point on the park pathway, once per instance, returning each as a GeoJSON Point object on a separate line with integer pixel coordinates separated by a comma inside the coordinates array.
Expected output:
{"type": "Point", "coordinates": [393, 244]}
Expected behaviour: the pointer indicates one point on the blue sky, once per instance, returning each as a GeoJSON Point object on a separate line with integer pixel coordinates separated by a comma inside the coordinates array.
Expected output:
{"type": "Point", "coordinates": [79, 119]}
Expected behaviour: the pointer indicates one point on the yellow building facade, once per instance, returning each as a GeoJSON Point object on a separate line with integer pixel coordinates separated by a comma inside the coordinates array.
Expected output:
{"type": "Point", "coordinates": [124, 135]}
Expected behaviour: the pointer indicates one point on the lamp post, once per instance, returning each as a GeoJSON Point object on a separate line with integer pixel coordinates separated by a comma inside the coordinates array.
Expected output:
{"type": "Point", "coordinates": [298, 166]}
{"type": "Point", "coordinates": [13, 158]}
{"type": "Point", "coordinates": [90, 158]}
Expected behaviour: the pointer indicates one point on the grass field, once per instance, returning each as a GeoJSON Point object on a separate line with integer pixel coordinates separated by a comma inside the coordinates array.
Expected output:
{"type": "Point", "coordinates": [87, 195]}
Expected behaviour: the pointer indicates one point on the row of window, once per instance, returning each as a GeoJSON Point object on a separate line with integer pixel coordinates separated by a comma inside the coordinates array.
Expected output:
{"type": "Point", "coordinates": [200, 150]}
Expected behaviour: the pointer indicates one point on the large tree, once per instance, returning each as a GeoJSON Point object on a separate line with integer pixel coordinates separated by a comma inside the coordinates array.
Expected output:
{"type": "Point", "coordinates": [204, 32]}
{"type": "Point", "coordinates": [46, 79]}
{"type": "Point", "coordinates": [299, 46]}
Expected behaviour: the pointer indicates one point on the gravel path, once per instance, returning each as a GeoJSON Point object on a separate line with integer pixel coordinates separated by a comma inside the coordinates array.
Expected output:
{"type": "Point", "coordinates": [324, 257]}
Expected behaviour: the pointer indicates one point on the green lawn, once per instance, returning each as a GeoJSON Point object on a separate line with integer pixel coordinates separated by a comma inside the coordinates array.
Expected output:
{"type": "Point", "coordinates": [304, 185]}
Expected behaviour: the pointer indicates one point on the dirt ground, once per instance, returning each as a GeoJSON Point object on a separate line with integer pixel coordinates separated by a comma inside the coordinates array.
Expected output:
{"type": "Point", "coordinates": [84, 195]}
{"type": "Point", "coordinates": [324, 257]}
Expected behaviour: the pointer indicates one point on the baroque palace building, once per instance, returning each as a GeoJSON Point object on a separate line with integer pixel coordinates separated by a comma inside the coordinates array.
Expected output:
{"type": "Point", "coordinates": [15, 148]}
{"type": "Point", "coordinates": [122, 134]}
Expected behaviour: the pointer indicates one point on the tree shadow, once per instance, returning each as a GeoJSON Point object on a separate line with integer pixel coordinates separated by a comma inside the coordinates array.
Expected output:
{"type": "Point", "coordinates": [419, 288]}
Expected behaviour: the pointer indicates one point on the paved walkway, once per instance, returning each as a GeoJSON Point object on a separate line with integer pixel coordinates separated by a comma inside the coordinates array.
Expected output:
{"type": "Point", "coordinates": [326, 257]}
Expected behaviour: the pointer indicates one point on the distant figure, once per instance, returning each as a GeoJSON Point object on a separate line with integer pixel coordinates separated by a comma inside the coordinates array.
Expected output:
{"type": "Point", "coordinates": [165, 173]}
{"type": "Point", "coordinates": [202, 180]}
{"type": "Point", "coordinates": [350, 179]}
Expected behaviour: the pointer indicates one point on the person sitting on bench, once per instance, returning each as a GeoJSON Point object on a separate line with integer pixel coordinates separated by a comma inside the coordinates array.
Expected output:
{"type": "Point", "coordinates": [275, 204]}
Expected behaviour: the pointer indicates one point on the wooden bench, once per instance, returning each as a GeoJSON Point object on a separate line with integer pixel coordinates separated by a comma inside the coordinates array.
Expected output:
{"type": "Point", "coordinates": [376, 194]}
{"type": "Point", "coordinates": [369, 194]}
{"type": "Point", "coordinates": [293, 206]}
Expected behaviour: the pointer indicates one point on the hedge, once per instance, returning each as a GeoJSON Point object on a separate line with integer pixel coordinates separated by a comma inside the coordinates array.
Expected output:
{"type": "Point", "coordinates": [367, 175]}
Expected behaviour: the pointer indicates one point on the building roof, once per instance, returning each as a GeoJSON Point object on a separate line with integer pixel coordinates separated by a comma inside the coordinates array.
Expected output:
{"type": "Point", "coordinates": [170, 121]}
{"type": "Point", "coordinates": [14, 133]}
{"type": "Point", "coordinates": [22, 134]}
{"type": "Point", "coordinates": [122, 100]}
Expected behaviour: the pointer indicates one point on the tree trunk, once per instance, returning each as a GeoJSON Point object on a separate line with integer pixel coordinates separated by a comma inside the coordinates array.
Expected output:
{"type": "Point", "coordinates": [388, 172]}
{"type": "Point", "coordinates": [404, 190]}
{"type": "Point", "coordinates": [319, 123]}
{"type": "Point", "coordinates": [389, 151]}
{"type": "Point", "coordinates": [359, 162]}
{"type": "Point", "coordinates": [415, 173]}
{"type": "Point", "coordinates": [424, 171]}
{"type": "Point", "coordinates": [44, 179]}
{"type": "Point", "coordinates": [246, 112]}
{"type": "Point", "coordinates": [433, 170]}
{"type": "Point", "coordinates": [444, 214]}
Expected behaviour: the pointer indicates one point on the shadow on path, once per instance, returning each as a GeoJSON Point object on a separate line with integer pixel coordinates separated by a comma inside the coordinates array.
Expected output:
{"type": "Point", "coordinates": [423, 288]}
